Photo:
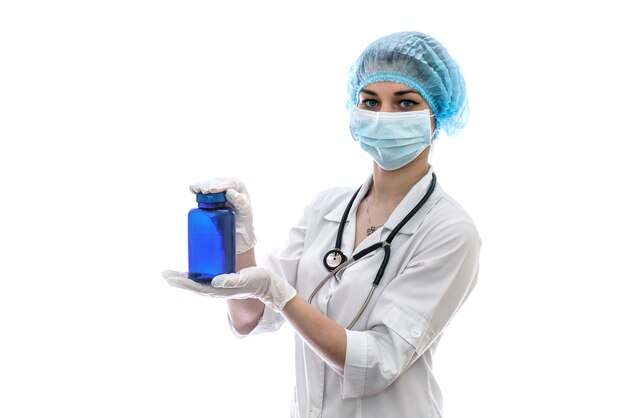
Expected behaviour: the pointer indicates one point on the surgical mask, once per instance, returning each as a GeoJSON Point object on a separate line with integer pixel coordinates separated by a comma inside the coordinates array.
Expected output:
{"type": "Point", "coordinates": [393, 139]}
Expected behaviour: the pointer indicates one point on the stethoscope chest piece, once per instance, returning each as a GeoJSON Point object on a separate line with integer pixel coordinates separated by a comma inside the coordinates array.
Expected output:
{"type": "Point", "coordinates": [333, 259]}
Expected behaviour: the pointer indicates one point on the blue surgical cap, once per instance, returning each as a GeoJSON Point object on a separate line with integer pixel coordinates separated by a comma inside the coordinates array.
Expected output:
{"type": "Point", "coordinates": [420, 62]}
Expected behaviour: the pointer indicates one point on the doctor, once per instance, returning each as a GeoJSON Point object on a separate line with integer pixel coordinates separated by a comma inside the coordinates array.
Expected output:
{"type": "Point", "coordinates": [365, 341]}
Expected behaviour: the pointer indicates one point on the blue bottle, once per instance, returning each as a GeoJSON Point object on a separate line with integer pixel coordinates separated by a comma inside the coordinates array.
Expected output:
{"type": "Point", "coordinates": [211, 238]}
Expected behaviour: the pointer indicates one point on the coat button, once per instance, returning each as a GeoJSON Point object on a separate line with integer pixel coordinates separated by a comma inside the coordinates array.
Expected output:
{"type": "Point", "coordinates": [415, 332]}
{"type": "Point", "coordinates": [315, 412]}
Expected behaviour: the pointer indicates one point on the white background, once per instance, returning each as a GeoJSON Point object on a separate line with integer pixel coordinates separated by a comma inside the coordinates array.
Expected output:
{"type": "Point", "coordinates": [109, 110]}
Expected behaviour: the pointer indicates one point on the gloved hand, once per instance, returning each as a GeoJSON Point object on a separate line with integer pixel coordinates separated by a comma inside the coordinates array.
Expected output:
{"type": "Point", "coordinates": [251, 282]}
{"type": "Point", "coordinates": [237, 196]}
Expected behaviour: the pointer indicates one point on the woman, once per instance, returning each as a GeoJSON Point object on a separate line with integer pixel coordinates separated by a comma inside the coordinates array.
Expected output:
{"type": "Point", "coordinates": [365, 349]}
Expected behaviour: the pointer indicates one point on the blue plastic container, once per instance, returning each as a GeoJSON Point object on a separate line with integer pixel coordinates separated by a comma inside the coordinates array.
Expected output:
{"type": "Point", "coordinates": [211, 238]}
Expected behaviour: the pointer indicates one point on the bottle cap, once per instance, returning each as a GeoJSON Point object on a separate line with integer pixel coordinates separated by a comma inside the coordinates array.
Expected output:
{"type": "Point", "coordinates": [211, 197]}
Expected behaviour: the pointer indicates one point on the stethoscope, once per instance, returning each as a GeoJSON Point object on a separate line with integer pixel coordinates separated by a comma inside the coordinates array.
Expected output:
{"type": "Point", "coordinates": [335, 260]}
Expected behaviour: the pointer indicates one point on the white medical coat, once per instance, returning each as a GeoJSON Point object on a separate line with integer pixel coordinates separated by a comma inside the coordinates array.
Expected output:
{"type": "Point", "coordinates": [389, 355]}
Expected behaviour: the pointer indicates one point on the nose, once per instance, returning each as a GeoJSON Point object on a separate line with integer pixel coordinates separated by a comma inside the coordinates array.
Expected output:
{"type": "Point", "coordinates": [386, 106]}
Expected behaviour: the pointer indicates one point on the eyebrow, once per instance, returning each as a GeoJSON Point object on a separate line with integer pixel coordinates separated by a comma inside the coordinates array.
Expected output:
{"type": "Point", "coordinates": [397, 93]}
{"type": "Point", "coordinates": [400, 93]}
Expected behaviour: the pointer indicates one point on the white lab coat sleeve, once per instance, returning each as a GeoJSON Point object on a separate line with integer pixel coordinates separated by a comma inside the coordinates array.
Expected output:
{"type": "Point", "coordinates": [282, 261]}
{"type": "Point", "coordinates": [413, 310]}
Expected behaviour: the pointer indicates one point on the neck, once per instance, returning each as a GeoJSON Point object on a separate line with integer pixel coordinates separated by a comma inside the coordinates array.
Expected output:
{"type": "Point", "coordinates": [390, 187]}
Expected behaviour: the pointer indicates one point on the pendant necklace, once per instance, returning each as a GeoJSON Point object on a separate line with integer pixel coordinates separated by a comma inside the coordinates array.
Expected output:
{"type": "Point", "coordinates": [370, 228]}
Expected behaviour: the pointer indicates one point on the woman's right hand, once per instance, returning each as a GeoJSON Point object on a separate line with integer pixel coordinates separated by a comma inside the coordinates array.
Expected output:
{"type": "Point", "coordinates": [238, 198]}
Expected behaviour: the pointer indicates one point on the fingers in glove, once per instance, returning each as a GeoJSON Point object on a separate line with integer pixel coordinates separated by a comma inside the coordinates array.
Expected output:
{"type": "Point", "coordinates": [182, 281]}
{"type": "Point", "coordinates": [230, 280]}
{"type": "Point", "coordinates": [240, 201]}
{"type": "Point", "coordinates": [218, 185]}
{"type": "Point", "coordinates": [245, 277]}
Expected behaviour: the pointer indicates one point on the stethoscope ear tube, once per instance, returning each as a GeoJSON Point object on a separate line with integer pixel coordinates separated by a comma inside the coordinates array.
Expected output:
{"type": "Point", "coordinates": [366, 251]}
{"type": "Point", "coordinates": [383, 265]}
{"type": "Point", "coordinates": [344, 219]}
{"type": "Point", "coordinates": [431, 189]}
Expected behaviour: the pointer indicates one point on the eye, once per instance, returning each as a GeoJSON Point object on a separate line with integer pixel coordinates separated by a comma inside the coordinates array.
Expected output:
{"type": "Point", "coordinates": [407, 104]}
{"type": "Point", "coordinates": [369, 102]}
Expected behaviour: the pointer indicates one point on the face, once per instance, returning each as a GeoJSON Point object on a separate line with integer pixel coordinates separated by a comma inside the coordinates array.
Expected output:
{"type": "Point", "coordinates": [387, 96]}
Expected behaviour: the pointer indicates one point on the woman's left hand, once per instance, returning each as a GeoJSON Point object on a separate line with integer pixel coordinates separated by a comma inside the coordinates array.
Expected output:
{"type": "Point", "coordinates": [251, 282]}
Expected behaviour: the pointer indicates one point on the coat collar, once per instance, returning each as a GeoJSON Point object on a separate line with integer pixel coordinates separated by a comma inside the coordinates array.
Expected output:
{"type": "Point", "coordinates": [336, 214]}
{"type": "Point", "coordinates": [414, 195]}
{"type": "Point", "coordinates": [412, 198]}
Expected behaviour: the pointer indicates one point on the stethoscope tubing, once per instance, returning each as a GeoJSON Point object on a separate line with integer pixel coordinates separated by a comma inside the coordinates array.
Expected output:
{"type": "Point", "coordinates": [386, 245]}
{"type": "Point", "coordinates": [328, 276]}
{"type": "Point", "coordinates": [336, 270]}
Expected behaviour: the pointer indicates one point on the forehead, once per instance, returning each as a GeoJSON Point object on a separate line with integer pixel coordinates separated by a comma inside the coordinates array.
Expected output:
{"type": "Point", "coordinates": [388, 88]}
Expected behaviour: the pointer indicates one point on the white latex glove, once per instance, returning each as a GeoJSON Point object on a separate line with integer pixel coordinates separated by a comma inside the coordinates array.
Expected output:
{"type": "Point", "coordinates": [251, 282]}
{"type": "Point", "coordinates": [237, 196]}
